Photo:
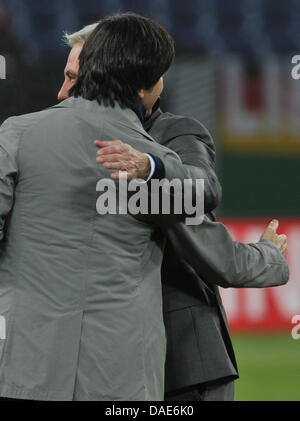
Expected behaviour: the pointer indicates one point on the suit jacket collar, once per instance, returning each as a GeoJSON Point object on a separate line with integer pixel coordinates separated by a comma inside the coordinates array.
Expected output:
{"type": "Point", "coordinates": [125, 116]}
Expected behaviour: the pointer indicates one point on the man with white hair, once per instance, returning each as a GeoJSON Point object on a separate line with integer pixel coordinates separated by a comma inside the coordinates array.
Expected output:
{"type": "Point", "coordinates": [200, 362]}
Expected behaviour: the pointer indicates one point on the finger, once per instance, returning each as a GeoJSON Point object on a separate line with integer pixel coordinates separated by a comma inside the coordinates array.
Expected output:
{"type": "Point", "coordinates": [105, 143]}
{"type": "Point", "coordinates": [283, 245]}
{"type": "Point", "coordinates": [115, 166]}
{"type": "Point", "coordinates": [109, 158]}
{"type": "Point", "coordinates": [273, 225]}
{"type": "Point", "coordinates": [271, 228]}
{"type": "Point", "coordinates": [284, 248]}
{"type": "Point", "coordinates": [121, 175]}
{"type": "Point", "coordinates": [110, 150]}
{"type": "Point", "coordinates": [102, 143]}
{"type": "Point", "coordinates": [283, 238]}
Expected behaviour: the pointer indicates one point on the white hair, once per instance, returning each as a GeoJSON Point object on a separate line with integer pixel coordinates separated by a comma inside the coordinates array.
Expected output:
{"type": "Point", "coordinates": [79, 36]}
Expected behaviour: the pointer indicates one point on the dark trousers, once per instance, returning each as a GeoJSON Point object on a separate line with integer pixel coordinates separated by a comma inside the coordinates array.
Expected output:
{"type": "Point", "coordinates": [221, 390]}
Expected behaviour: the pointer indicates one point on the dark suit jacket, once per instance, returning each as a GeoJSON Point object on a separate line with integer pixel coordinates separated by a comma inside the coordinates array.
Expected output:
{"type": "Point", "coordinates": [199, 347]}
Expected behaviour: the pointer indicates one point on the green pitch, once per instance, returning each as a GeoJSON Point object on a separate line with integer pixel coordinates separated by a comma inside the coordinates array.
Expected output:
{"type": "Point", "coordinates": [269, 367]}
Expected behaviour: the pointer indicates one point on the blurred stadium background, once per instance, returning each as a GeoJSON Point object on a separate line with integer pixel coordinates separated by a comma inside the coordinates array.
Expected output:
{"type": "Point", "coordinates": [233, 73]}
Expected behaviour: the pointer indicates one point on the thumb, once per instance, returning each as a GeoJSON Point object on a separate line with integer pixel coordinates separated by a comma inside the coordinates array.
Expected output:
{"type": "Point", "coordinates": [273, 225]}
{"type": "Point", "coordinates": [270, 231]}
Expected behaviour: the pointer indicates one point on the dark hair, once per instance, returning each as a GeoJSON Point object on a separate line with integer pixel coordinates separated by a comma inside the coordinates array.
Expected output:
{"type": "Point", "coordinates": [125, 53]}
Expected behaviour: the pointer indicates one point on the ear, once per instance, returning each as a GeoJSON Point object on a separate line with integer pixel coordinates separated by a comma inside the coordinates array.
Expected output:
{"type": "Point", "coordinates": [142, 94]}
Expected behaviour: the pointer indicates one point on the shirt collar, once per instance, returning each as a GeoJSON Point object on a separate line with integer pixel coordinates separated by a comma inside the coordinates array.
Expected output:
{"type": "Point", "coordinates": [156, 106]}
{"type": "Point", "coordinates": [140, 111]}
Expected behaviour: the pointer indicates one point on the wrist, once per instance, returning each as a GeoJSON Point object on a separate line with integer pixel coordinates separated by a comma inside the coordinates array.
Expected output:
{"type": "Point", "coordinates": [146, 168]}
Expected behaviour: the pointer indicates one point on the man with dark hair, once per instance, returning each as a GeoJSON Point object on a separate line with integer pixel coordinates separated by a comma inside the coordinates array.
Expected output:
{"type": "Point", "coordinates": [130, 68]}
{"type": "Point", "coordinates": [200, 363]}
{"type": "Point", "coordinates": [80, 292]}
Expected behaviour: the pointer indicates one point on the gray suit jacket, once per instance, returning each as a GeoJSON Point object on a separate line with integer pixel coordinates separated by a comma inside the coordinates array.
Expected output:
{"type": "Point", "coordinates": [197, 259]}
{"type": "Point", "coordinates": [80, 292]}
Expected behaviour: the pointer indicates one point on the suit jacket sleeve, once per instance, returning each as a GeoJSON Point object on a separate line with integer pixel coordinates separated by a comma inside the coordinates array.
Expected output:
{"type": "Point", "coordinates": [9, 140]}
{"type": "Point", "coordinates": [193, 143]}
{"type": "Point", "coordinates": [211, 251]}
